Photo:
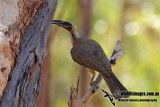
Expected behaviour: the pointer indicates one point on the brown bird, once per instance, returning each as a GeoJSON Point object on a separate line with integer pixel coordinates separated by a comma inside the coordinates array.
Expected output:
{"type": "Point", "coordinates": [89, 53]}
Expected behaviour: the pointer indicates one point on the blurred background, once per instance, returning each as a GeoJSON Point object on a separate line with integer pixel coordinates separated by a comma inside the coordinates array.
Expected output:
{"type": "Point", "coordinates": [135, 22]}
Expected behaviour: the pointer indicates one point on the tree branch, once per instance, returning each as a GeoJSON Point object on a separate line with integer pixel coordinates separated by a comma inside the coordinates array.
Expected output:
{"type": "Point", "coordinates": [75, 101]}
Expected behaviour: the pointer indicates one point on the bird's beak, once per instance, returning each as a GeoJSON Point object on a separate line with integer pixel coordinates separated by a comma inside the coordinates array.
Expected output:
{"type": "Point", "coordinates": [57, 22]}
{"type": "Point", "coordinates": [66, 25]}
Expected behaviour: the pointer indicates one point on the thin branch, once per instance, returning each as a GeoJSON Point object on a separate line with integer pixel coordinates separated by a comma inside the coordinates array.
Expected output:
{"type": "Point", "coordinates": [75, 101]}
{"type": "Point", "coordinates": [117, 53]}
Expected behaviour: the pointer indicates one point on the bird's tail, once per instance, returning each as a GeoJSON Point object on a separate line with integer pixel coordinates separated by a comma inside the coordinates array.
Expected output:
{"type": "Point", "coordinates": [115, 85]}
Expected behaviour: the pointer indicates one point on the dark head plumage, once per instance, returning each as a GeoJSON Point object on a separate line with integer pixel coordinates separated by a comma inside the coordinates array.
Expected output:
{"type": "Point", "coordinates": [65, 24]}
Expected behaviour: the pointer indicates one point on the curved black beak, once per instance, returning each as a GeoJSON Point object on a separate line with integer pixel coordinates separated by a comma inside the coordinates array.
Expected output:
{"type": "Point", "coordinates": [65, 24]}
{"type": "Point", "coordinates": [57, 22]}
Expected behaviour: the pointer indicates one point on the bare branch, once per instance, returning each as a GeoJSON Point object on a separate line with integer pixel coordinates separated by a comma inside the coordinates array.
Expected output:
{"type": "Point", "coordinates": [117, 53]}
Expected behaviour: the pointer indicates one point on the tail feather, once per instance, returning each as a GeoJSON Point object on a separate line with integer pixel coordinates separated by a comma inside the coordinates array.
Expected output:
{"type": "Point", "coordinates": [114, 85]}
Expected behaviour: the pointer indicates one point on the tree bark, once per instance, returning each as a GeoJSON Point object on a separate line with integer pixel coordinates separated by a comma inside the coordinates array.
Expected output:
{"type": "Point", "coordinates": [26, 35]}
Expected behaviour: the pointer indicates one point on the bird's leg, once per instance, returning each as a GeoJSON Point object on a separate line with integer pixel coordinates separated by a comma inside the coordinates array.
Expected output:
{"type": "Point", "coordinates": [93, 75]}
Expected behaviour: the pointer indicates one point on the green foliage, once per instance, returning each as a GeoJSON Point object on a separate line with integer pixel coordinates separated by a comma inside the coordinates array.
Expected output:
{"type": "Point", "coordinates": [136, 23]}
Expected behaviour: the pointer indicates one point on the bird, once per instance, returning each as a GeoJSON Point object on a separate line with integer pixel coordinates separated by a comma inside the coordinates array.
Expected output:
{"type": "Point", "coordinates": [88, 53]}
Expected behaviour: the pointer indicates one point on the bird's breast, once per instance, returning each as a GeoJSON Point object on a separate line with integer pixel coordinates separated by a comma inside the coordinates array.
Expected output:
{"type": "Point", "coordinates": [89, 53]}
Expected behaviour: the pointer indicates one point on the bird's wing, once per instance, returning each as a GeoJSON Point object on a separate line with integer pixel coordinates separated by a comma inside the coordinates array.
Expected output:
{"type": "Point", "coordinates": [92, 57]}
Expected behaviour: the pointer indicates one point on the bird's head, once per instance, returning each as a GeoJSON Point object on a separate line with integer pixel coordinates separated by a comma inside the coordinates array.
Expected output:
{"type": "Point", "coordinates": [65, 24]}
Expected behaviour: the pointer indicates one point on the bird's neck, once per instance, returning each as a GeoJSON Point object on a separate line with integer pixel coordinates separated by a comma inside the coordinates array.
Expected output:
{"type": "Point", "coordinates": [74, 36]}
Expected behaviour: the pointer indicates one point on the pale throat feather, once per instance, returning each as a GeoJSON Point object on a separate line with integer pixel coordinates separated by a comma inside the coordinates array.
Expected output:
{"type": "Point", "coordinates": [74, 34]}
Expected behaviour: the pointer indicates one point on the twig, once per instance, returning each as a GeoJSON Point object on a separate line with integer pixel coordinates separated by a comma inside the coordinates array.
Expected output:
{"type": "Point", "coordinates": [117, 53]}
{"type": "Point", "coordinates": [75, 101]}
